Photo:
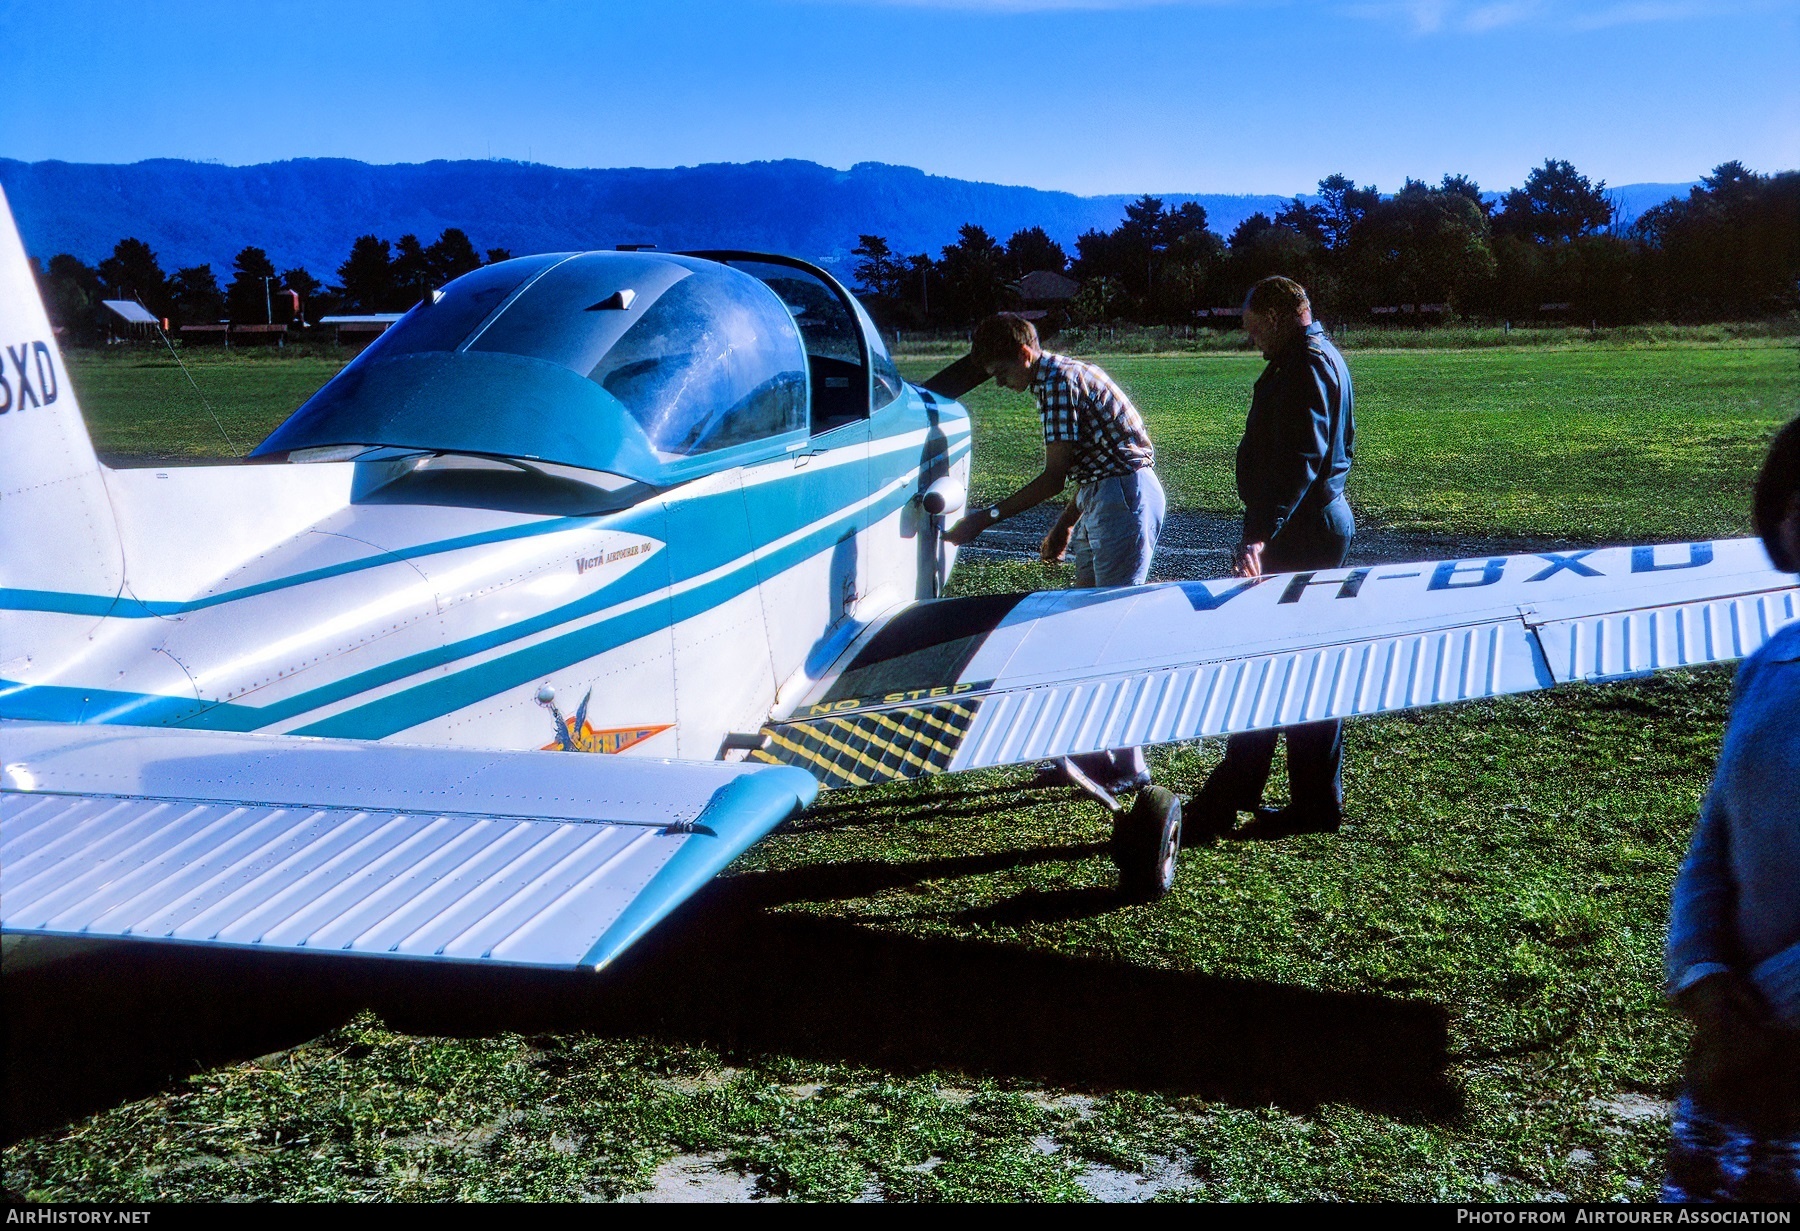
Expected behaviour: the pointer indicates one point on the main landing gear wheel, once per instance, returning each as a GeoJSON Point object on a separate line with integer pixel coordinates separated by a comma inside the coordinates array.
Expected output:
{"type": "Point", "coordinates": [1145, 844]}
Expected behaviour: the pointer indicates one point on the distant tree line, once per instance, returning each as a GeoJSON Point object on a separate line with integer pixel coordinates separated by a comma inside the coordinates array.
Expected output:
{"type": "Point", "coordinates": [1730, 250]}
{"type": "Point", "coordinates": [377, 276]}
{"type": "Point", "coordinates": [1553, 247]}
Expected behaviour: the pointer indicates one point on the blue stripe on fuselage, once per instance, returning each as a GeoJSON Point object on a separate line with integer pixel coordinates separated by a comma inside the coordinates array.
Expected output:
{"type": "Point", "coordinates": [435, 698]}
{"type": "Point", "coordinates": [129, 607]}
{"type": "Point", "coordinates": [843, 485]}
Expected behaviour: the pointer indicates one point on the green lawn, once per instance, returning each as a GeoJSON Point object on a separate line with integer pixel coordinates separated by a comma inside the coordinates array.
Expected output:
{"type": "Point", "coordinates": [929, 992]}
{"type": "Point", "coordinates": [1597, 443]}
{"type": "Point", "coordinates": [139, 402]}
{"type": "Point", "coordinates": [1587, 443]}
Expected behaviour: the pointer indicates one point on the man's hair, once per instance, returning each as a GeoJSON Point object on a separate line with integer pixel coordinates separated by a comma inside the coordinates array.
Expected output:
{"type": "Point", "coordinates": [1776, 488]}
{"type": "Point", "coordinates": [1277, 298]}
{"type": "Point", "coordinates": [1000, 336]}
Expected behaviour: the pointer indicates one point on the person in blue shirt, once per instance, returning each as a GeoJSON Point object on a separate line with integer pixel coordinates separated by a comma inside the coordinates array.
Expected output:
{"type": "Point", "coordinates": [1293, 460]}
{"type": "Point", "coordinates": [1733, 953]}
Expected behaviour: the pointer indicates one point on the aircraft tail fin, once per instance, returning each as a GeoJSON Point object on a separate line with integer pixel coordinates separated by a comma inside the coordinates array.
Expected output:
{"type": "Point", "coordinates": [57, 531]}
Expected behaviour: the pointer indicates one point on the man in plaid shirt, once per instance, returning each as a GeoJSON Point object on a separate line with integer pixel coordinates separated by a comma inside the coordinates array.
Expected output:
{"type": "Point", "coordinates": [1095, 436]}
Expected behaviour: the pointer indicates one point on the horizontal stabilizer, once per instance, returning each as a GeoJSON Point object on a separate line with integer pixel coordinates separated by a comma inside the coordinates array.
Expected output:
{"type": "Point", "coordinates": [519, 858]}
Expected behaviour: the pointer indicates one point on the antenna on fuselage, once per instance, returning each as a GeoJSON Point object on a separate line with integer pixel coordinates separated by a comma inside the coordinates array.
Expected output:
{"type": "Point", "coordinates": [211, 413]}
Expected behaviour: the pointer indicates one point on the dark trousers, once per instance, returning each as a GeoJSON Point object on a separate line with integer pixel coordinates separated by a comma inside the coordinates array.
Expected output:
{"type": "Point", "coordinates": [1735, 1134]}
{"type": "Point", "coordinates": [1315, 749]}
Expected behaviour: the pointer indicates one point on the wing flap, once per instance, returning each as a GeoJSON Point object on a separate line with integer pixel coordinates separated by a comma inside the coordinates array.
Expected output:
{"type": "Point", "coordinates": [479, 882]}
{"type": "Point", "coordinates": [1619, 645]}
{"type": "Point", "coordinates": [1272, 690]}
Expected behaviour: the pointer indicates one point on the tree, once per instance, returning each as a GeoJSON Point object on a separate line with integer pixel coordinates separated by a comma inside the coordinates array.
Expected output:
{"type": "Point", "coordinates": [1422, 245]}
{"type": "Point", "coordinates": [1730, 249]}
{"type": "Point", "coordinates": [248, 298]}
{"type": "Point", "coordinates": [450, 257]}
{"type": "Point", "coordinates": [1161, 261]}
{"type": "Point", "coordinates": [973, 275]}
{"type": "Point", "coordinates": [1342, 205]}
{"type": "Point", "coordinates": [1463, 186]}
{"type": "Point", "coordinates": [877, 271]}
{"type": "Point", "coordinates": [366, 279]}
{"type": "Point", "coordinates": [132, 272]}
{"type": "Point", "coordinates": [196, 295]}
{"type": "Point", "coordinates": [1260, 246]}
{"type": "Point", "coordinates": [72, 292]}
{"type": "Point", "coordinates": [915, 287]}
{"type": "Point", "coordinates": [1095, 256]}
{"type": "Point", "coordinates": [1557, 204]}
{"type": "Point", "coordinates": [1305, 220]}
{"type": "Point", "coordinates": [1099, 300]}
{"type": "Point", "coordinates": [306, 286]}
{"type": "Point", "coordinates": [496, 255]}
{"type": "Point", "coordinates": [1032, 249]}
{"type": "Point", "coordinates": [410, 272]}
{"type": "Point", "coordinates": [1138, 245]}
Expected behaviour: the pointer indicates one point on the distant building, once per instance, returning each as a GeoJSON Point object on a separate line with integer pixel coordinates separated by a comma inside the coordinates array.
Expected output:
{"type": "Point", "coordinates": [260, 335]}
{"type": "Point", "coordinates": [1044, 295]}
{"type": "Point", "coordinates": [219, 333]}
{"type": "Point", "coordinates": [1412, 309]}
{"type": "Point", "coordinates": [359, 331]}
{"type": "Point", "coordinates": [126, 318]}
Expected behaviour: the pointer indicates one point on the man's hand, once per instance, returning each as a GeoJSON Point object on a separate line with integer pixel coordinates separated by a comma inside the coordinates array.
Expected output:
{"type": "Point", "coordinates": [1058, 455]}
{"type": "Point", "coordinates": [1247, 560]}
{"type": "Point", "coordinates": [969, 528]}
{"type": "Point", "coordinates": [1736, 1044]}
{"type": "Point", "coordinates": [1056, 544]}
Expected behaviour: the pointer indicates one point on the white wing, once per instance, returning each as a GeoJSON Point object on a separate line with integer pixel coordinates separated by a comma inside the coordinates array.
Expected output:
{"type": "Point", "coordinates": [968, 683]}
{"type": "Point", "coordinates": [522, 858]}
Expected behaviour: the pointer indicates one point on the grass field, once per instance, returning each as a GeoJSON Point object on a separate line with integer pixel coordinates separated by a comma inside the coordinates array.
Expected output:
{"type": "Point", "coordinates": [1588, 443]}
{"type": "Point", "coordinates": [1161, 339]}
{"type": "Point", "coordinates": [1595, 443]}
{"type": "Point", "coordinates": [139, 402]}
{"type": "Point", "coordinates": [930, 992]}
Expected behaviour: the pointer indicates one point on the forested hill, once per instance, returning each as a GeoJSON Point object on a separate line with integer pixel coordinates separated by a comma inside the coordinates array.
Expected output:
{"type": "Point", "coordinates": [309, 211]}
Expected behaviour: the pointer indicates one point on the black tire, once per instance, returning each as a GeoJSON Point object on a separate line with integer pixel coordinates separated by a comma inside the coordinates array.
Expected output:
{"type": "Point", "coordinates": [1146, 843]}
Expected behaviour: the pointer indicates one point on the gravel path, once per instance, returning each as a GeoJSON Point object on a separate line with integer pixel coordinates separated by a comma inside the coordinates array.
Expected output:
{"type": "Point", "coordinates": [1200, 544]}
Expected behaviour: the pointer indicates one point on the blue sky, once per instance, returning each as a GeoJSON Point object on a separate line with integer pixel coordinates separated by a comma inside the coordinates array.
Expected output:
{"type": "Point", "coordinates": [1090, 96]}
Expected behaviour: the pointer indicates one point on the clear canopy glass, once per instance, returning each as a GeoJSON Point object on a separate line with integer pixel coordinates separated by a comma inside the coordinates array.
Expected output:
{"type": "Point", "coordinates": [699, 357]}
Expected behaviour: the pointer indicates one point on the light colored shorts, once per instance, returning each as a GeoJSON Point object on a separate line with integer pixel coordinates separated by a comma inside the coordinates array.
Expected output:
{"type": "Point", "coordinates": [1121, 518]}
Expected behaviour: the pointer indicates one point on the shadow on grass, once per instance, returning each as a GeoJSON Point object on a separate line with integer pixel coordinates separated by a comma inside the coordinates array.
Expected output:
{"type": "Point", "coordinates": [1040, 906]}
{"type": "Point", "coordinates": [856, 805]}
{"type": "Point", "coordinates": [949, 805]}
{"type": "Point", "coordinates": [123, 1022]}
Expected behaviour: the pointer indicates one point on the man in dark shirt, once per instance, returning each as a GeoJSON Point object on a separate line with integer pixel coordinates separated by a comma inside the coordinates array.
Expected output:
{"type": "Point", "coordinates": [1733, 955]}
{"type": "Point", "coordinates": [1291, 466]}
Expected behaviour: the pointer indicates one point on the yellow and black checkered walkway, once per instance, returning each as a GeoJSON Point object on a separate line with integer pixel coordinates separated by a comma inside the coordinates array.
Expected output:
{"type": "Point", "coordinates": [863, 749]}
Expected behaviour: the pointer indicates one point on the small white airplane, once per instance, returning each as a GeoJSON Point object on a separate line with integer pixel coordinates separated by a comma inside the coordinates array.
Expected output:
{"type": "Point", "coordinates": [679, 511]}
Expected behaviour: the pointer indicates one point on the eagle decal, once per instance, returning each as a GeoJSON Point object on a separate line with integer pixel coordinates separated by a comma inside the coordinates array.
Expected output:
{"type": "Point", "coordinates": [576, 735]}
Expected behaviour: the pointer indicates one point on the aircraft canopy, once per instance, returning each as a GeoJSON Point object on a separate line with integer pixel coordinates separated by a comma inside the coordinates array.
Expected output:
{"type": "Point", "coordinates": [648, 365]}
